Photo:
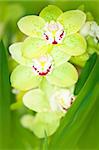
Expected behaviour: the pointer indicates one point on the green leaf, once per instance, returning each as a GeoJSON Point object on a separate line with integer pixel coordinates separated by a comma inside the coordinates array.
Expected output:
{"type": "Point", "coordinates": [5, 114]}
{"type": "Point", "coordinates": [85, 73]}
{"type": "Point", "coordinates": [79, 116]}
{"type": "Point", "coordinates": [90, 139]}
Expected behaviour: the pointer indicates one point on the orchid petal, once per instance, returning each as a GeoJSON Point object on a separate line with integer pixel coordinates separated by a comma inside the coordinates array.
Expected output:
{"type": "Point", "coordinates": [36, 100]}
{"type": "Point", "coordinates": [59, 56]}
{"type": "Point", "coordinates": [80, 60]}
{"type": "Point", "coordinates": [16, 53]}
{"type": "Point", "coordinates": [47, 88]}
{"type": "Point", "coordinates": [31, 25]}
{"type": "Point", "coordinates": [72, 20]}
{"type": "Point", "coordinates": [51, 12]}
{"type": "Point", "coordinates": [35, 47]}
{"type": "Point", "coordinates": [64, 75]}
{"type": "Point", "coordinates": [27, 121]}
{"type": "Point", "coordinates": [23, 78]}
{"type": "Point", "coordinates": [45, 123]}
{"type": "Point", "coordinates": [74, 44]}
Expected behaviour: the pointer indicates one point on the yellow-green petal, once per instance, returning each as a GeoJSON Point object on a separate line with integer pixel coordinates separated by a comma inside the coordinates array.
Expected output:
{"type": "Point", "coordinates": [64, 75]}
{"type": "Point", "coordinates": [75, 44]}
{"type": "Point", "coordinates": [27, 121]}
{"type": "Point", "coordinates": [31, 25]}
{"type": "Point", "coordinates": [35, 47]}
{"type": "Point", "coordinates": [16, 53]}
{"type": "Point", "coordinates": [23, 78]}
{"type": "Point", "coordinates": [47, 88]}
{"type": "Point", "coordinates": [72, 20]}
{"type": "Point", "coordinates": [80, 60]}
{"type": "Point", "coordinates": [51, 12]}
{"type": "Point", "coordinates": [59, 56]}
{"type": "Point", "coordinates": [91, 42]}
{"type": "Point", "coordinates": [36, 101]}
{"type": "Point", "coordinates": [45, 123]}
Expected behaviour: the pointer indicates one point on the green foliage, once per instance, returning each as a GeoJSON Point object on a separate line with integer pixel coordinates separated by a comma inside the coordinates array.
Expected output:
{"type": "Point", "coordinates": [78, 119]}
{"type": "Point", "coordinates": [5, 114]}
{"type": "Point", "coordinates": [12, 135]}
{"type": "Point", "coordinates": [85, 73]}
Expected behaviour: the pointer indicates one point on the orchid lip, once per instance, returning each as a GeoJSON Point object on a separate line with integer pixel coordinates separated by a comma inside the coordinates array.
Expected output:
{"type": "Point", "coordinates": [53, 32]}
{"type": "Point", "coordinates": [54, 42]}
{"type": "Point", "coordinates": [43, 65]}
{"type": "Point", "coordinates": [44, 73]}
{"type": "Point", "coordinates": [62, 100]}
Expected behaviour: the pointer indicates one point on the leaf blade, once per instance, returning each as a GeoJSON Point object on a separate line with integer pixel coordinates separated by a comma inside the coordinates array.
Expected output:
{"type": "Point", "coordinates": [85, 73]}
{"type": "Point", "coordinates": [72, 124]}
{"type": "Point", "coordinates": [5, 114]}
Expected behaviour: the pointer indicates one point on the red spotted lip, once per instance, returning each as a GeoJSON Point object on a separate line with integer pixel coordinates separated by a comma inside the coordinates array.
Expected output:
{"type": "Point", "coordinates": [54, 42]}
{"type": "Point", "coordinates": [42, 73]}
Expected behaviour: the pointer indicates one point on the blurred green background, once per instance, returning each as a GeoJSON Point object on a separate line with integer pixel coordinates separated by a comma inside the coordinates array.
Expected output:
{"type": "Point", "coordinates": [80, 128]}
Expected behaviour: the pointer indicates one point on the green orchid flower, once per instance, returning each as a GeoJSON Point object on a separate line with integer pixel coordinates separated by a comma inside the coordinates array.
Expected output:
{"type": "Point", "coordinates": [41, 124]}
{"type": "Point", "coordinates": [90, 31]}
{"type": "Point", "coordinates": [53, 29]}
{"type": "Point", "coordinates": [48, 101]}
{"type": "Point", "coordinates": [91, 28]}
{"type": "Point", "coordinates": [30, 72]}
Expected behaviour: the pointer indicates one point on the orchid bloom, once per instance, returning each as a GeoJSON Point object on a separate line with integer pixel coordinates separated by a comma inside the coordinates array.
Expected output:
{"type": "Point", "coordinates": [48, 98]}
{"type": "Point", "coordinates": [30, 72]}
{"type": "Point", "coordinates": [91, 28]}
{"type": "Point", "coordinates": [48, 101]}
{"type": "Point", "coordinates": [53, 29]}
